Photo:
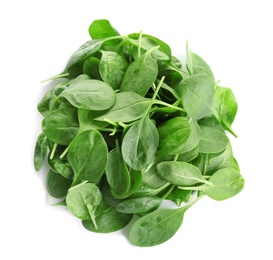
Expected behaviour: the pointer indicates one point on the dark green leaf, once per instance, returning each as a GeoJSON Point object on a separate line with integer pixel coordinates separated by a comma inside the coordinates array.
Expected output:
{"type": "Point", "coordinates": [57, 185]}
{"type": "Point", "coordinates": [61, 125]}
{"type": "Point", "coordinates": [40, 151]}
{"type": "Point", "coordinates": [87, 155]}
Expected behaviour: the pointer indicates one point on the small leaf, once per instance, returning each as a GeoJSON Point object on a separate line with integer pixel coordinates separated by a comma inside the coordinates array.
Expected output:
{"type": "Point", "coordinates": [40, 152]}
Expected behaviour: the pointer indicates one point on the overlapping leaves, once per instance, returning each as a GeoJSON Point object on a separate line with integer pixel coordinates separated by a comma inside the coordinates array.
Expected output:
{"type": "Point", "coordinates": [128, 128]}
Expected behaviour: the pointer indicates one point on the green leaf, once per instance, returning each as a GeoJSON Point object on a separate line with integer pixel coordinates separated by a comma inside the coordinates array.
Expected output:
{"type": "Point", "coordinates": [90, 94]}
{"type": "Point", "coordinates": [57, 185]}
{"type": "Point", "coordinates": [117, 173]}
{"type": "Point", "coordinates": [40, 152]}
{"type": "Point", "coordinates": [86, 50]}
{"type": "Point", "coordinates": [157, 227]}
{"type": "Point", "coordinates": [226, 106]}
{"type": "Point", "coordinates": [196, 65]}
{"type": "Point", "coordinates": [87, 155]}
{"type": "Point", "coordinates": [180, 173]}
{"type": "Point", "coordinates": [142, 205]}
{"type": "Point", "coordinates": [91, 68]}
{"type": "Point", "coordinates": [212, 140]}
{"type": "Point", "coordinates": [197, 93]}
{"type": "Point", "coordinates": [140, 75]}
{"type": "Point", "coordinates": [173, 136]}
{"type": "Point", "coordinates": [83, 200]}
{"type": "Point", "coordinates": [112, 68]}
{"type": "Point", "coordinates": [107, 220]}
{"type": "Point", "coordinates": [140, 144]}
{"type": "Point", "coordinates": [102, 29]}
{"type": "Point", "coordinates": [61, 125]}
{"type": "Point", "coordinates": [128, 107]}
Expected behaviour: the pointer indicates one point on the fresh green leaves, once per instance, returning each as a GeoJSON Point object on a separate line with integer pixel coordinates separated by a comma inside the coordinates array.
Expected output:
{"type": "Point", "coordinates": [129, 128]}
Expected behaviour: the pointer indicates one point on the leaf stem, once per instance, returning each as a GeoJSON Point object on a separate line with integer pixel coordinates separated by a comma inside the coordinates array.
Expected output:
{"type": "Point", "coordinates": [159, 102]}
{"type": "Point", "coordinates": [59, 76]}
{"type": "Point", "coordinates": [53, 151]}
{"type": "Point", "coordinates": [139, 44]}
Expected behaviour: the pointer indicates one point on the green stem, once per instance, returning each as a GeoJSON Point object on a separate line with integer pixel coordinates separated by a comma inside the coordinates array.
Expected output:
{"type": "Point", "coordinates": [159, 102]}
{"type": "Point", "coordinates": [139, 44]}
{"type": "Point", "coordinates": [59, 76]}
{"type": "Point", "coordinates": [93, 219]}
{"type": "Point", "coordinates": [175, 157]}
{"type": "Point", "coordinates": [53, 151]}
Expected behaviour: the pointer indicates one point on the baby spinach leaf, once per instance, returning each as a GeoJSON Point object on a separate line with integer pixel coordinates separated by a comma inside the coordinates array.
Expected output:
{"type": "Point", "coordinates": [86, 50]}
{"type": "Point", "coordinates": [157, 227]}
{"type": "Point", "coordinates": [40, 152]}
{"type": "Point", "coordinates": [107, 220]}
{"type": "Point", "coordinates": [140, 143]}
{"type": "Point", "coordinates": [102, 29]}
{"type": "Point", "coordinates": [141, 205]}
{"type": "Point", "coordinates": [226, 106]}
{"type": "Point", "coordinates": [163, 46]}
{"type": "Point", "coordinates": [197, 93]}
{"type": "Point", "coordinates": [90, 94]}
{"type": "Point", "coordinates": [87, 122]}
{"type": "Point", "coordinates": [135, 183]}
{"type": "Point", "coordinates": [226, 182]}
{"type": "Point", "coordinates": [140, 75]}
{"type": "Point", "coordinates": [173, 135]}
{"type": "Point", "coordinates": [212, 140]}
{"type": "Point", "coordinates": [128, 107]}
{"type": "Point", "coordinates": [117, 172]}
{"type": "Point", "coordinates": [223, 160]}
{"type": "Point", "coordinates": [61, 125]}
{"type": "Point", "coordinates": [194, 137]}
{"type": "Point", "coordinates": [83, 200]}
{"type": "Point", "coordinates": [91, 68]}
{"type": "Point", "coordinates": [112, 68]}
{"type": "Point", "coordinates": [57, 185]}
{"type": "Point", "coordinates": [196, 65]}
{"type": "Point", "coordinates": [180, 173]}
{"type": "Point", "coordinates": [44, 105]}
{"type": "Point", "coordinates": [87, 155]}
{"type": "Point", "coordinates": [152, 179]}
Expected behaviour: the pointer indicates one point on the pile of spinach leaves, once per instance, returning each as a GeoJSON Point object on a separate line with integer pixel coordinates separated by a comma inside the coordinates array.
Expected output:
{"type": "Point", "coordinates": [129, 127]}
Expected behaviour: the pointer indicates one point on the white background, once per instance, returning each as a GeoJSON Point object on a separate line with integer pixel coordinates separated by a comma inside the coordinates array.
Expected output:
{"type": "Point", "coordinates": [234, 37]}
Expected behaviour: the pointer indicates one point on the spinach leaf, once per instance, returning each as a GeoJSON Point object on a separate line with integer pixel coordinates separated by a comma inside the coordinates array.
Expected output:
{"type": "Point", "coordinates": [197, 93]}
{"type": "Point", "coordinates": [87, 155]}
{"type": "Point", "coordinates": [128, 107]}
{"type": "Point", "coordinates": [157, 227]}
{"type": "Point", "coordinates": [196, 65]}
{"type": "Point", "coordinates": [107, 220]}
{"type": "Point", "coordinates": [87, 122]}
{"type": "Point", "coordinates": [173, 136]}
{"type": "Point", "coordinates": [212, 140]}
{"type": "Point", "coordinates": [83, 200]}
{"type": "Point", "coordinates": [86, 50]}
{"type": "Point", "coordinates": [112, 68]}
{"type": "Point", "coordinates": [140, 143]}
{"type": "Point", "coordinates": [117, 172]}
{"type": "Point", "coordinates": [91, 68]}
{"type": "Point", "coordinates": [140, 75]}
{"type": "Point", "coordinates": [40, 152]}
{"type": "Point", "coordinates": [180, 173]}
{"type": "Point", "coordinates": [141, 205]}
{"type": "Point", "coordinates": [61, 125]}
{"type": "Point", "coordinates": [226, 106]}
{"type": "Point", "coordinates": [90, 94]}
{"type": "Point", "coordinates": [57, 185]}
{"type": "Point", "coordinates": [225, 183]}
{"type": "Point", "coordinates": [102, 29]}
